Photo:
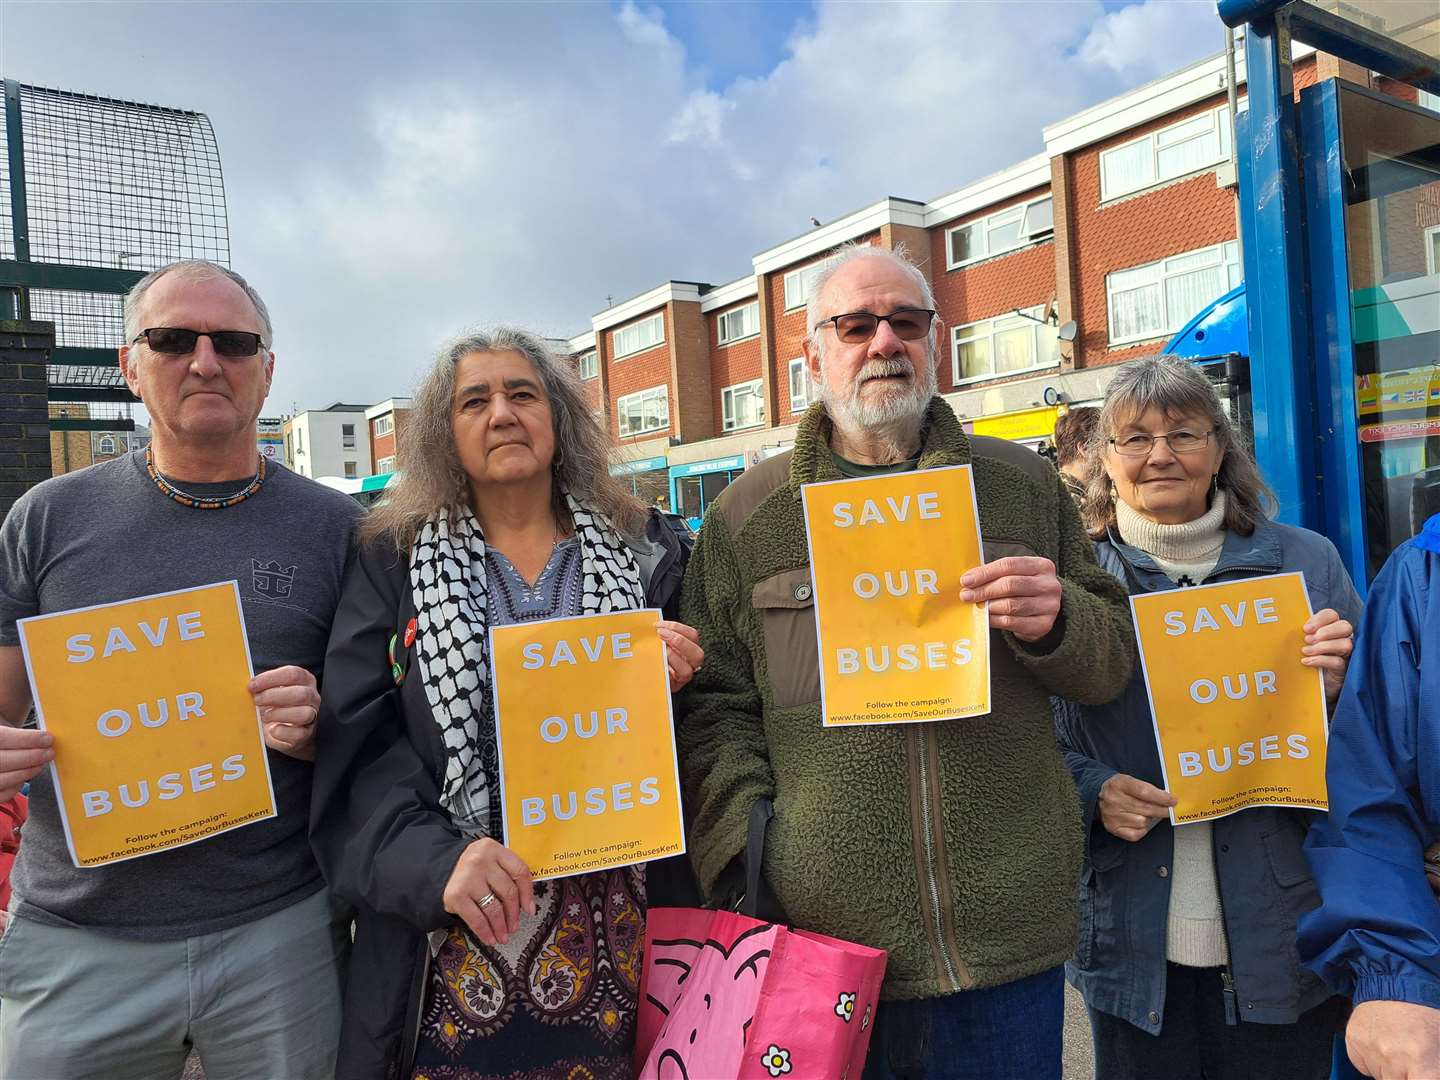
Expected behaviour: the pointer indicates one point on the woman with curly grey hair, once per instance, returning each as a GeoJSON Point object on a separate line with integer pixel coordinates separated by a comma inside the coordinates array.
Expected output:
{"type": "Point", "coordinates": [1187, 955]}
{"type": "Point", "coordinates": [504, 512]}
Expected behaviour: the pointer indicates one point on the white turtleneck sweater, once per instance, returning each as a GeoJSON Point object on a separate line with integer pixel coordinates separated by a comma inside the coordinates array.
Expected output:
{"type": "Point", "coordinates": [1195, 935]}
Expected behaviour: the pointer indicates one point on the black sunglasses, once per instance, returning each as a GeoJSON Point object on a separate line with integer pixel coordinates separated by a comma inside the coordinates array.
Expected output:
{"type": "Point", "coordinates": [177, 341]}
{"type": "Point", "coordinates": [856, 327]}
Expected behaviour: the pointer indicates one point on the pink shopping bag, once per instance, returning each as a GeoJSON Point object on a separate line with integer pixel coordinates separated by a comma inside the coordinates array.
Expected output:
{"type": "Point", "coordinates": [726, 997]}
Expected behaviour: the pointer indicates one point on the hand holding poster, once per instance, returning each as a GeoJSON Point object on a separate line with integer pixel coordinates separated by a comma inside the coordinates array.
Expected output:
{"type": "Point", "coordinates": [157, 741]}
{"type": "Point", "coordinates": [588, 773]}
{"type": "Point", "coordinates": [897, 644]}
{"type": "Point", "coordinates": [1239, 720]}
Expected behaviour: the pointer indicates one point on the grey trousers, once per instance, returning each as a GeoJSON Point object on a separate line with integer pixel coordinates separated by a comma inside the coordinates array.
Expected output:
{"type": "Point", "coordinates": [261, 1000]}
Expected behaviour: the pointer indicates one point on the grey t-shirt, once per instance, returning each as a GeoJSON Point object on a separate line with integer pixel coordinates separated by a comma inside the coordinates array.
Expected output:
{"type": "Point", "coordinates": [105, 534]}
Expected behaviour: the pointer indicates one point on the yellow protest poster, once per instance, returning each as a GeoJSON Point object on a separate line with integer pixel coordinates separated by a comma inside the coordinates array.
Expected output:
{"type": "Point", "coordinates": [1239, 720]}
{"type": "Point", "coordinates": [157, 741]}
{"type": "Point", "coordinates": [588, 773]}
{"type": "Point", "coordinates": [897, 644]}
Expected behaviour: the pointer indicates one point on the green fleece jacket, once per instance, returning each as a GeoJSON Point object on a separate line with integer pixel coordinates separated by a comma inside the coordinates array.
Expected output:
{"type": "Point", "coordinates": [953, 845]}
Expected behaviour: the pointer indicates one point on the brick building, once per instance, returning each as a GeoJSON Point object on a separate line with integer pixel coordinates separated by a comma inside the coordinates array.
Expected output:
{"type": "Point", "coordinates": [384, 423]}
{"type": "Point", "coordinates": [1119, 232]}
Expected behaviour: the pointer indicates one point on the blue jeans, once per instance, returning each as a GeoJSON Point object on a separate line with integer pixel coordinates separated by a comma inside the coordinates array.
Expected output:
{"type": "Point", "coordinates": [1011, 1031]}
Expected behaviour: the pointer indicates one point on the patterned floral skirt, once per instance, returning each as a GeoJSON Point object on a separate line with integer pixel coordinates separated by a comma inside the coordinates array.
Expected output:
{"type": "Point", "coordinates": [557, 1002]}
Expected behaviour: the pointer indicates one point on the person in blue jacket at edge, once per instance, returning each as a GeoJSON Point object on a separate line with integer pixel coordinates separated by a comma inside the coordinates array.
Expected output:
{"type": "Point", "coordinates": [1376, 934]}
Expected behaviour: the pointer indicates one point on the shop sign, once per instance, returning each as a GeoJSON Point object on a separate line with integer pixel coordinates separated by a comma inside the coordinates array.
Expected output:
{"type": "Point", "coordinates": [696, 468]}
{"type": "Point", "coordinates": [1026, 424]}
{"type": "Point", "coordinates": [1388, 391]}
{"type": "Point", "coordinates": [640, 465]}
{"type": "Point", "coordinates": [1400, 429]}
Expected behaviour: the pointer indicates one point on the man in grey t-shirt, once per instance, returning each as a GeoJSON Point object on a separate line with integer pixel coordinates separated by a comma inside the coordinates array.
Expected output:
{"type": "Point", "coordinates": [228, 945]}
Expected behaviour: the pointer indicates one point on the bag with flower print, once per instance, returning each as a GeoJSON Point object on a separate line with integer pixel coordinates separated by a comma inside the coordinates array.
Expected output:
{"type": "Point", "coordinates": [727, 997]}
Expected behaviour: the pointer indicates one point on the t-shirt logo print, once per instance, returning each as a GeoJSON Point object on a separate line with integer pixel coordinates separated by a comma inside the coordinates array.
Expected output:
{"type": "Point", "coordinates": [272, 580]}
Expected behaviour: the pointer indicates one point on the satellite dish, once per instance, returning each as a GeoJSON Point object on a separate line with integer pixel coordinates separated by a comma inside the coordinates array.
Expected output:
{"type": "Point", "coordinates": [1068, 331]}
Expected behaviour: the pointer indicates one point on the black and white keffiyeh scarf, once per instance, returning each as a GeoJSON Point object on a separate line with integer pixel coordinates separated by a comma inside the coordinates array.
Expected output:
{"type": "Point", "coordinates": [447, 580]}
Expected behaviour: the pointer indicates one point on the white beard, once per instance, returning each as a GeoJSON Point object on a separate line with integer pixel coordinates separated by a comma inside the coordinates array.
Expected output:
{"type": "Point", "coordinates": [895, 413]}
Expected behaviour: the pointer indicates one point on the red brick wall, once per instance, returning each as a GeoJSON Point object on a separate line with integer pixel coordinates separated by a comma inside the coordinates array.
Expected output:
{"type": "Point", "coordinates": [380, 445]}
{"type": "Point", "coordinates": [788, 330]}
{"type": "Point", "coordinates": [1172, 218]}
{"type": "Point", "coordinates": [734, 363]}
{"type": "Point", "coordinates": [638, 371]}
{"type": "Point", "coordinates": [982, 290]}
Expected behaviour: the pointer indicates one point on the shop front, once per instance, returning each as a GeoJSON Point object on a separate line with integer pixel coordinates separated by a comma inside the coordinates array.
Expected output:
{"type": "Point", "coordinates": [694, 486]}
{"type": "Point", "coordinates": [646, 479]}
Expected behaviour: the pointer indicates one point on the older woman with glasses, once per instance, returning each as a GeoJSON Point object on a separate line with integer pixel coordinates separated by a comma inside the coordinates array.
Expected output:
{"type": "Point", "coordinates": [1187, 957]}
{"type": "Point", "coordinates": [505, 512]}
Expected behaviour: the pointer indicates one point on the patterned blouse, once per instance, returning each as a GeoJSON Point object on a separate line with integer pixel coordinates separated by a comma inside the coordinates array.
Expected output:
{"type": "Point", "coordinates": [557, 1002]}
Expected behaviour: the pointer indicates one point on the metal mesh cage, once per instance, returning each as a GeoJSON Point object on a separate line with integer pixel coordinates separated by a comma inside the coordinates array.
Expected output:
{"type": "Point", "coordinates": [114, 185]}
{"type": "Point", "coordinates": [117, 184]}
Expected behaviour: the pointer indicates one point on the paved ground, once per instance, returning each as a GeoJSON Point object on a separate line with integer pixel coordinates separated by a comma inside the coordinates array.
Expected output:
{"type": "Point", "coordinates": [1079, 1054]}
{"type": "Point", "coordinates": [1079, 1060]}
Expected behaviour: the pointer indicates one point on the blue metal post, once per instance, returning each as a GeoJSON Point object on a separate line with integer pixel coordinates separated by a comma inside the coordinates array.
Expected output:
{"type": "Point", "coordinates": [1333, 339]}
{"type": "Point", "coordinates": [1273, 221]}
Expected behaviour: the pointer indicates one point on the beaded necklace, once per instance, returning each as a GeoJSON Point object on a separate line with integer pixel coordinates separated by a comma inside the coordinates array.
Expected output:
{"type": "Point", "coordinates": [203, 502]}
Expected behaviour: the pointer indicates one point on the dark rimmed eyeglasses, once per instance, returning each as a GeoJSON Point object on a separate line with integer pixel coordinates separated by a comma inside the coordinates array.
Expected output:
{"type": "Point", "coordinates": [1180, 441]}
{"type": "Point", "coordinates": [857, 327]}
{"type": "Point", "coordinates": [177, 341]}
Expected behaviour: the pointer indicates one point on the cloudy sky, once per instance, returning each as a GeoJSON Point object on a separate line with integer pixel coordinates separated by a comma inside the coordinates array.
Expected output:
{"type": "Point", "coordinates": [397, 172]}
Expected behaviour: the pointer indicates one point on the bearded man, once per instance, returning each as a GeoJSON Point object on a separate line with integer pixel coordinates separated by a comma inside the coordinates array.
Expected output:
{"type": "Point", "coordinates": [954, 845]}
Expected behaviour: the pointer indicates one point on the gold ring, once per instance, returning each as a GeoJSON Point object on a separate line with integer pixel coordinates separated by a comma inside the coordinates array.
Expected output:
{"type": "Point", "coordinates": [488, 898]}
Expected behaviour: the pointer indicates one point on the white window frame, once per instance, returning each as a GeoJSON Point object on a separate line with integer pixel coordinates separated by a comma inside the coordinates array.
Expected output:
{"type": "Point", "coordinates": [620, 335]}
{"type": "Point", "coordinates": [385, 465]}
{"type": "Point", "coordinates": [1229, 257]}
{"type": "Point", "coordinates": [801, 281]}
{"type": "Point", "coordinates": [106, 444]}
{"type": "Point", "coordinates": [347, 436]}
{"type": "Point", "coordinates": [352, 470]}
{"type": "Point", "coordinates": [384, 425]}
{"type": "Point", "coordinates": [1032, 231]}
{"type": "Point", "coordinates": [960, 335]}
{"type": "Point", "coordinates": [727, 405]}
{"type": "Point", "coordinates": [638, 397]}
{"type": "Point", "coordinates": [1219, 127]}
{"type": "Point", "coordinates": [588, 364]}
{"type": "Point", "coordinates": [800, 402]}
{"type": "Point", "coordinates": [1432, 258]}
{"type": "Point", "coordinates": [749, 320]}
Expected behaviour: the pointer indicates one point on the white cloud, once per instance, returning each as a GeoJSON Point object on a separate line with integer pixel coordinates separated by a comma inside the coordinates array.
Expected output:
{"type": "Point", "coordinates": [1149, 39]}
{"type": "Point", "coordinates": [409, 170]}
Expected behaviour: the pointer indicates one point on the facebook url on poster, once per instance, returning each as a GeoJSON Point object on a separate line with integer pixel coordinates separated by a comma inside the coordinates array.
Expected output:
{"type": "Point", "coordinates": [642, 855]}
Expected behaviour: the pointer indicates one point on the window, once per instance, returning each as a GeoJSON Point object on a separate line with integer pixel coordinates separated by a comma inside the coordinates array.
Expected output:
{"type": "Point", "coordinates": [1432, 250]}
{"type": "Point", "coordinates": [1003, 346]}
{"type": "Point", "coordinates": [347, 436]}
{"type": "Point", "coordinates": [639, 336]}
{"type": "Point", "coordinates": [1429, 101]}
{"type": "Point", "coordinates": [1011, 228]}
{"type": "Point", "coordinates": [1186, 147]}
{"type": "Point", "coordinates": [107, 444]}
{"type": "Point", "coordinates": [742, 405]}
{"type": "Point", "coordinates": [1159, 298]}
{"type": "Point", "coordinates": [741, 322]}
{"type": "Point", "coordinates": [589, 365]}
{"type": "Point", "coordinates": [385, 425]}
{"type": "Point", "coordinates": [385, 464]}
{"type": "Point", "coordinates": [801, 390]}
{"type": "Point", "coordinates": [350, 472]}
{"type": "Point", "coordinates": [798, 283]}
{"type": "Point", "coordinates": [299, 441]}
{"type": "Point", "coordinates": [649, 410]}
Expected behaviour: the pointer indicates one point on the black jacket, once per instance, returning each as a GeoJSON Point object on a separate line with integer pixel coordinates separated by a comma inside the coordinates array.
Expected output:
{"type": "Point", "coordinates": [376, 826]}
